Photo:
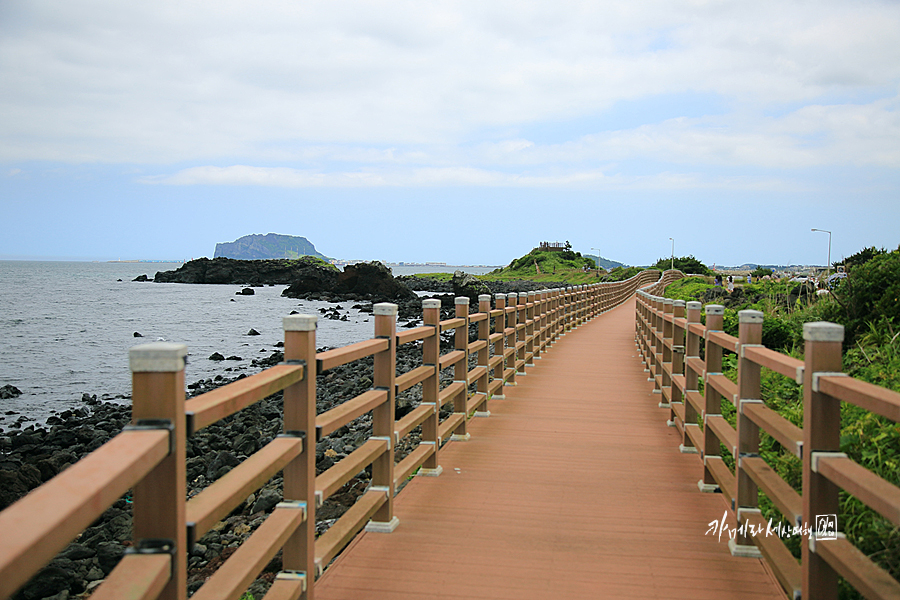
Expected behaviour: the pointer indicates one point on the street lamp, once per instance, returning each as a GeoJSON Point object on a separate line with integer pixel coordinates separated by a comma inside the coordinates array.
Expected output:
{"type": "Point", "coordinates": [673, 253]}
{"type": "Point", "coordinates": [828, 266]}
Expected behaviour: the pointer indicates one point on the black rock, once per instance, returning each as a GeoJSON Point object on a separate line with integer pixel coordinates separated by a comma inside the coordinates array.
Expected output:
{"type": "Point", "coordinates": [48, 582]}
{"type": "Point", "coordinates": [243, 272]}
{"type": "Point", "coordinates": [216, 356]}
{"type": "Point", "coordinates": [9, 391]}
{"type": "Point", "coordinates": [266, 500]}
{"type": "Point", "coordinates": [465, 284]}
{"type": "Point", "coordinates": [234, 358]}
{"type": "Point", "coordinates": [141, 278]}
{"type": "Point", "coordinates": [136, 334]}
{"type": "Point", "coordinates": [245, 292]}
{"type": "Point", "coordinates": [253, 332]}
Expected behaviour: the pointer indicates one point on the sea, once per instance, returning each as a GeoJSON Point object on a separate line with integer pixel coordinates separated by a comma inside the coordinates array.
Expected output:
{"type": "Point", "coordinates": [66, 327]}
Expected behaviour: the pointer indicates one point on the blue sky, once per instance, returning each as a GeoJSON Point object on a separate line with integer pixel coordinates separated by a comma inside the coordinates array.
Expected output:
{"type": "Point", "coordinates": [462, 132]}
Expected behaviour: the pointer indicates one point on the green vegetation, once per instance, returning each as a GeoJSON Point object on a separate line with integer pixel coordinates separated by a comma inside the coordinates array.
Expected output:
{"type": "Point", "coordinates": [546, 265]}
{"type": "Point", "coordinates": [867, 303]}
{"type": "Point", "coordinates": [686, 264]}
{"type": "Point", "coordinates": [621, 273]}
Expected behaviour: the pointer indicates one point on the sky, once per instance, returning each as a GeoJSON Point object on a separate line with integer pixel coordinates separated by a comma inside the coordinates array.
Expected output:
{"type": "Point", "coordinates": [459, 132]}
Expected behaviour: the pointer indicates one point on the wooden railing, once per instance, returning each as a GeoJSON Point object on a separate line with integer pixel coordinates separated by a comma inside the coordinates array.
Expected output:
{"type": "Point", "coordinates": [149, 455]}
{"type": "Point", "coordinates": [669, 335]}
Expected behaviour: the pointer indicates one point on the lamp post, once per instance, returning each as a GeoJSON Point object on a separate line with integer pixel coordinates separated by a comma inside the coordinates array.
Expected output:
{"type": "Point", "coordinates": [828, 266]}
{"type": "Point", "coordinates": [598, 257]}
{"type": "Point", "coordinates": [673, 253]}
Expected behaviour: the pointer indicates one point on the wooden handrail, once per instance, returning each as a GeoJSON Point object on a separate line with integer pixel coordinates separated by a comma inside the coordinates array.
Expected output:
{"type": "Point", "coordinates": [825, 470]}
{"type": "Point", "coordinates": [151, 457]}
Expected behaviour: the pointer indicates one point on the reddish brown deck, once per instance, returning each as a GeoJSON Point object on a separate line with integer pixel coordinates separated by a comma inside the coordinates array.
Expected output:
{"type": "Point", "coordinates": [573, 488]}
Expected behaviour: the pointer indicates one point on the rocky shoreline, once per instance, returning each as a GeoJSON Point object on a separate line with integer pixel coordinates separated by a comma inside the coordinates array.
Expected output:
{"type": "Point", "coordinates": [34, 454]}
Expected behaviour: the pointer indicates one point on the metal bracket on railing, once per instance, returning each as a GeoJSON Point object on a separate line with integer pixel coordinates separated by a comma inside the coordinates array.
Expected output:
{"type": "Point", "coordinates": [294, 505]}
{"type": "Point", "coordinates": [153, 424]}
{"type": "Point", "coordinates": [798, 376]}
{"type": "Point", "coordinates": [817, 454]}
{"type": "Point", "coordinates": [293, 362]}
{"type": "Point", "coordinates": [382, 437]}
{"type": "Point", "coordinates": [292, 434]}
{"type": "Point", "coordinates": [819, 374]}
{"type": "Point", "coordinates": [294, 576]}
{"type": "Point", "coordinates": [744, 455]}
{"type": "Point", "coordinates": [155, 546]}
{"type": "Point", "coordinates": [749, 346]}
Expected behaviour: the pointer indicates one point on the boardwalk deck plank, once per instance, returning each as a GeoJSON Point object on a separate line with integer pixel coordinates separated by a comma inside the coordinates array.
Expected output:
{"type": "Point", "coordinates": [573, 488]}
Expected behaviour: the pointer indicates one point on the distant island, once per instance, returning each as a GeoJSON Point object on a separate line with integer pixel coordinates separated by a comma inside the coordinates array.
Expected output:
{"type": "Point", "coordinates": [271, 245]}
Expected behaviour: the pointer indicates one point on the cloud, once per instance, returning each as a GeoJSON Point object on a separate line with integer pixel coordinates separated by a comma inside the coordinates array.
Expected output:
{"type": "Point", "coordinates": [172, 82]}
{"type": "Point", "coordinates": [424, 177]}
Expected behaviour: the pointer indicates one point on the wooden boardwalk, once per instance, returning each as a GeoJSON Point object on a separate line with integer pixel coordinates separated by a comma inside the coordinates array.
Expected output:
{"type": "Point", "coordinates": [572, 488]}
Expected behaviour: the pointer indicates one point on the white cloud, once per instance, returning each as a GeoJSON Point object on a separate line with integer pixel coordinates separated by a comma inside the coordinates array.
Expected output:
{"type": "Point", "coordinates": [425, 177]}
{"type": "Point", "coordinates": [410, 93]}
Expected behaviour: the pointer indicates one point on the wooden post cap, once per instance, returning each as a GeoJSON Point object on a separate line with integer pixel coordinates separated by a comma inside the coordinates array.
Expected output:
{"type": "Point", "coordinates": [431, 303]}
{"type": "Point", "coordinates": [668, 301]}
{"type": "Point", "coordinates": [299, 322]}
{"type": "Point", "coordinates": [500, 296]}
{"type": "Point", "coordinates": [158, 357]}
{"type": "Point", "coordinates": [484, 297]}
{"type": "Point", "coordinates": [750, 316]}
{"type": "Point", "coordinates": [512, 296]}
{"type": "Point", "coordinates": [694, 305]}
{"type": "Point", "coordinates": [678, 303]}
{"type": "Point", "coordinates": [385, 309]}
{"type": "Point", "coordinates": [715, 309]}
{"type": "Point", "coordinates": [461, 300]}
{"type": "Point", "coordinates": [823, 331]}
{"type": "Point", "coordinates": [523, 295]}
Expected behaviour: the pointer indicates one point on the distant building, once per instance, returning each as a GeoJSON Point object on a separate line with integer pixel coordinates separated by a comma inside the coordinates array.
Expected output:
{"type": "Point", "coordinates": [551, 247]}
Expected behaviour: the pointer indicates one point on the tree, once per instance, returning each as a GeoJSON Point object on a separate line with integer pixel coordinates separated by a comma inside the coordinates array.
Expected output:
{"type": "Point", "coordinates": [686, 264]}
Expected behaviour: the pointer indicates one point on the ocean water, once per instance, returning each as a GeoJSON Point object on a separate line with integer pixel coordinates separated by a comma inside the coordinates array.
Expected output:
{"type": "Point", "coordinates": [66, 327]}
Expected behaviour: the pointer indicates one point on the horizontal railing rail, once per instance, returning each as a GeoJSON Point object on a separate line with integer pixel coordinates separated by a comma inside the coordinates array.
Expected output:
{"type": "Point", "coordinates": [148, 457]}
{"type": "Point", "coordinates": [669, 336]}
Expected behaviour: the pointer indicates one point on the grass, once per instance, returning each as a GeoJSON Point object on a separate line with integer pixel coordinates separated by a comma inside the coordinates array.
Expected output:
{"type": "Point", "coordinates": [867, 438]}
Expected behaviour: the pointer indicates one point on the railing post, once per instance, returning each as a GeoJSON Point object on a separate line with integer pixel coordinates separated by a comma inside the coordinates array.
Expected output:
{"type": "Point", "coordinates": [521, 333]}
{"type": "Point", "coordinates": [530, 319]}
{"type": "Point", "coordinates": [746, 496]}
{"type": "Point", "coordinates": [500, 344]}
{"type": "Point", "coordinates": [539, 317]}
{"type": "Point", "coordinates": [484, 334]}
{"type": "Point", "coordinates": [512, 321]}
{"type": "Point", "coordinates": [715, 315]}
{"type": "Point", "coordinates": [677, 359]}
{"type": "Point", "coordinates": [461, 368]}
{"type": "Point", "coordinates": [668, 334]}
{"type": "Point", "coordinates": [431, 351]}
{"type": "Point", "coordinates": [300, 419]}
{"type": "Point", "coordinates": [655, 343]}
{"type": "Point", "coordinates": [821, 434]}
{"type": "Point", "coordinates": [691, 379]}
{"type": "Point", "coordinates": [384, 378]}
{"type": "Point", "coordinates": [159, 499]}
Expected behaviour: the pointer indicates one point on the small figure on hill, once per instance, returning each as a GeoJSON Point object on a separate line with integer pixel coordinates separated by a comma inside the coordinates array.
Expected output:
{"type": "Point", "coordinates": [718, 281]}
{"type": "Point", "coordinates": [730, 284]}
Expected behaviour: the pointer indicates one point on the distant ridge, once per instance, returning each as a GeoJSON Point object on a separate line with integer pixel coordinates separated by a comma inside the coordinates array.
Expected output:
{"type": "Point", "coordinates": [271, 245]}
{"type": "Point", "coordinates": [605, 263]}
